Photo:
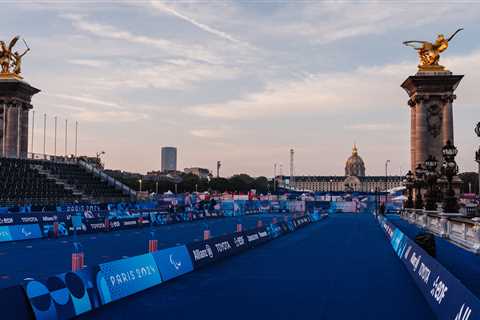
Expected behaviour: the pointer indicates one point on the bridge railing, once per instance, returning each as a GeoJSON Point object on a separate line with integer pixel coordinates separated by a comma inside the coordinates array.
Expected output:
{"type": "Point", "coordinates": [456, 228]}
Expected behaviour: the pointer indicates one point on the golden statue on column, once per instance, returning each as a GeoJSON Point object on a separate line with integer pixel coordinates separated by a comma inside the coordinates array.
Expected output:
{"type": "Point", "coordinates": [11, 62]}
{"type": "Point", "coordinates": [429, 53]}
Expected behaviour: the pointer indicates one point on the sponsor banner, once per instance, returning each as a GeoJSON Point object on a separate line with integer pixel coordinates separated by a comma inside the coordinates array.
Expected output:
{"type": "Point", "coordinates": [173, 262]}
{"type": "Point", "coordinates": [275, 230]}
{"type": "Point", "coordinates": [208, 251]}
{"type": "Point", "coordinates": [127, 276]}
{"type": "Point", "coordinates": [301, 222]}
{"type": "Point", "coordinates": [20, 232]}
{"type": "Point", "coordinates": [446, 295]}
{"type": "Point", "coordinates": [257, 236]}
{"type": "Point", "coordinates": [201, 253]}
{"type": "Point", "coordinates": [64, 296]}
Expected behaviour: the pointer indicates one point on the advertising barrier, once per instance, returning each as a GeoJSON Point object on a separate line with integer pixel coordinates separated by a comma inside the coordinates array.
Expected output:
{"type": "Point", "coordinates": [70, 294]}
{"type": "Point", "coordinates": [127, 276]}
{"type": "Point", "coordinates": [446, 295]}
{"type": "Point", "coordinates": [63, 296]}
{"type": "Point", "coordinates": [20, 232]}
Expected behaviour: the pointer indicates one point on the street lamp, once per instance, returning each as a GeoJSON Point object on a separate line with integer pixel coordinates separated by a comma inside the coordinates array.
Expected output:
{"type": "Point", "coordinates": [386, 181]}
{"type": "Point", "coordinates": [140, 182]}
{"type": "Point", "coordinates": [431, 165]}
{"type": "Point", "coordinates": [419, 181]}
{"type": "Point", "coordinates": [409, 183]}
{"type": "Point", "coordinates": [449, 170]}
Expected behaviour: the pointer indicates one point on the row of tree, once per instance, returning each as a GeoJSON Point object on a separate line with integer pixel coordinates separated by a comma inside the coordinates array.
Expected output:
{"type": "Point", "coordinates": [190, 182]}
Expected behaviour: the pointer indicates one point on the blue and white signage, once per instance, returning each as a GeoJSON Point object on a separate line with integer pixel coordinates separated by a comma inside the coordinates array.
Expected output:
{"type": "Point", "coordinates": [128, 276]}
{"type": "Point", "coordinates": [446, 295]}
{"type": "Point", "coordinates": [173, 262]}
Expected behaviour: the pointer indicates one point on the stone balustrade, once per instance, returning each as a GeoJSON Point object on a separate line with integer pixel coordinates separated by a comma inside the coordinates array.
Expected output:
{"type": "Point", "coordinates": [456, 228]}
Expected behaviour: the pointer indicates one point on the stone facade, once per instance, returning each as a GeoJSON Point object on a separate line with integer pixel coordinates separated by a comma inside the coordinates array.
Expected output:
{"type": "Point", "coordinates": [354, 179]}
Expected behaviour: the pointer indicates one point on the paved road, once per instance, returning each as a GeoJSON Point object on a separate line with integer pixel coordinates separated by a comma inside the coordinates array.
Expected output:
{"type": "Point", "coordinates": [41, 258]}
{"type": "Point", "coordinates": [338, 268]}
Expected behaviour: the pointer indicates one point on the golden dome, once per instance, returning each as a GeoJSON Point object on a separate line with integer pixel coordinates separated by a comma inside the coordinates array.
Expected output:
{"type": "Point", "coordinates": [355, 165]}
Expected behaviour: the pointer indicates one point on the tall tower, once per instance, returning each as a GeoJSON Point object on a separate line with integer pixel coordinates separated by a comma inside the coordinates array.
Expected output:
{"type": "Point", "coordinates": [169, 159]}
{"type": "Point", "coordinates": [292, 176]}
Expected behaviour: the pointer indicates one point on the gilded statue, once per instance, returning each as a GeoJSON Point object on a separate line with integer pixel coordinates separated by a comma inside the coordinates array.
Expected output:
{"type": "Point", "coordinates": [429, 53]}
{"type": "Point", "coordinates": [11, 62]}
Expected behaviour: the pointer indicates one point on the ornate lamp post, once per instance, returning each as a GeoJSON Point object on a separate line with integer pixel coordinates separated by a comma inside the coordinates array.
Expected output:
{"type": "Point", "coordinates": [409, 183]}
{"type": "Point", "coordinates": [449, 170]}
{"type": "Point", "coordinates": [431, 165]}
{"type": "Point", "coordinates": [418, 183]}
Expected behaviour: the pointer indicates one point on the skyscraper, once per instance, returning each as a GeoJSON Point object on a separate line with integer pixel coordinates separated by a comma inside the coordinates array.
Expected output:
{"type": "Point", "coordinates": [169, 159]}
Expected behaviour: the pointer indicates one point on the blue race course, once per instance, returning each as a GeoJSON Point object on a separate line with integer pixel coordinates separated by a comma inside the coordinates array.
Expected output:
{"type": "Point", "coordinates": [339, 268]}
{"type": "Point", "coordinates": [41, 258]}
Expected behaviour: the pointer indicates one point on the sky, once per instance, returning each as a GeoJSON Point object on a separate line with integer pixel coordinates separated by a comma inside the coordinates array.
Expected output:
{"type": "Point", "coordinates": [242, 82]}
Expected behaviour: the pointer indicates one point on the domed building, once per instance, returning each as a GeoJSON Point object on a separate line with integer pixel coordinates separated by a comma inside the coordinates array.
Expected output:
{"type": "Point", "coordinates": [355, 165]}
{"type": "Point", "coordinates": [353, 180]}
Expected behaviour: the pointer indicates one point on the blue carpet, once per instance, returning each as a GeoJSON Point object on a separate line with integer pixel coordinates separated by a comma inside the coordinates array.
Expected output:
{"type": "Point", "coordinates": [464, 265]}
{"type": "Point", "coordinates": [41, 258]}
{"type": "Point", "coordinates": [338, 268]}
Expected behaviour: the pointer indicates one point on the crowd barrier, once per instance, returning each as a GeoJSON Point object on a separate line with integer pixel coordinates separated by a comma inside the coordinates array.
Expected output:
{"type": "Point", "coordinates": [111, 217]}
{"type": "Point", "coordinates": [67, 295]}
{"type": "Point", "coordinates": [445, 294]}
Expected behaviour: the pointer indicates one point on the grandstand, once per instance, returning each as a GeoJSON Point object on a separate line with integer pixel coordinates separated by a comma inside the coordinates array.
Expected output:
{"type": "Point", "coordinates": [55, 181]}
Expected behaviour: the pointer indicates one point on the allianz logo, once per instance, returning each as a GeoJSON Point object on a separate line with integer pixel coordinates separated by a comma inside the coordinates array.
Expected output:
{"type": "Point", "coordinates": [263, 234]}
{"type": "Point", "coordinates": [132, 275]}
{"type": "Point", "coordinates": [200, 254]}
{"type": "Point", "coordinates": [129, 223]}
{"type": "Point", "coordinates": [252, 237]}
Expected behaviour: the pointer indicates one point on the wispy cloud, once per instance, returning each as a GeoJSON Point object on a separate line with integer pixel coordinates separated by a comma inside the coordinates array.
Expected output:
{"type": "Point", "coordinates": [193, 52]}
{"type": "Point", "coordinates": [163, 7]}
{"type": "Point", "coordinates": [372, 127]}
{"type": "Point", "coordinates": [89, 100]}
{"type": "Point", "coordinates": [88, 62]}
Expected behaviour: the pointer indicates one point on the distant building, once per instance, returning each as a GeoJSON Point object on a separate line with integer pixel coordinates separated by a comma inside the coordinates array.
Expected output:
{"type": "Point", "coordinates": [200, 172]}
{"type": "Point", "coordinates": [169, 159]}
{"type": "Point", "coordinates": [354, 179]}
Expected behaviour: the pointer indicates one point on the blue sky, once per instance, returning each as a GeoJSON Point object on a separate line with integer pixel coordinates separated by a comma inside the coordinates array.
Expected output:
{"type": "Point", "coordinates": [241, 82]}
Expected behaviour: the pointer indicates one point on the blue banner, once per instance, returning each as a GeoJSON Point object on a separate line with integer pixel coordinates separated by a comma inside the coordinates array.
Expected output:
{"type": "Point", "coordinates": [128, 276]}
{"type": "Point", "coordinates": [173, 262]}
{"type": "Point", "coordinates": [63, 296]}
{"type": "Point", "coordinates": [20, 232]}
{"type": "Point", "coordinates": [446, 295]}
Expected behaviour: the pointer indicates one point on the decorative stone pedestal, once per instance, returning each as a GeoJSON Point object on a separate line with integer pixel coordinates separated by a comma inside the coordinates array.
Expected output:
{"type": "Point", "coordinates": [431, 97]}
{"type": "Point", "coordinates": [15, 99]}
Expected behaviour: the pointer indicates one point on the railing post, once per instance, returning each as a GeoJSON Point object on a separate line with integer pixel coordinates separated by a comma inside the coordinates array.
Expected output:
{"type": "Point", "coordinates": [476, 237]}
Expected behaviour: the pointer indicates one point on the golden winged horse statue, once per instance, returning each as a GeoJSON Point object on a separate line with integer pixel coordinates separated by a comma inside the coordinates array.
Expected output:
{"type": "Point", "coordinates": [429, 53]}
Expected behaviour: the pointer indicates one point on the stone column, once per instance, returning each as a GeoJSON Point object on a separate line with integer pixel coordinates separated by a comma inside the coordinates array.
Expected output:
{"type": "Point", "coordinates": [412, 134]}
{"type": "Point", "coordinates": [11, 132]}
{"type": "Point", "coordinates": [421, 131]}
{"type": "Point", "coordinates": [2, 128]}
{"type": "Point", "coordinates": [16, 95]}
{"type": "Point", "coordinates": [24, 132]}
{"type": "Point", "coordinates": [448, 118]}
{"type": "Point", "coordinates": [431, 96]}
